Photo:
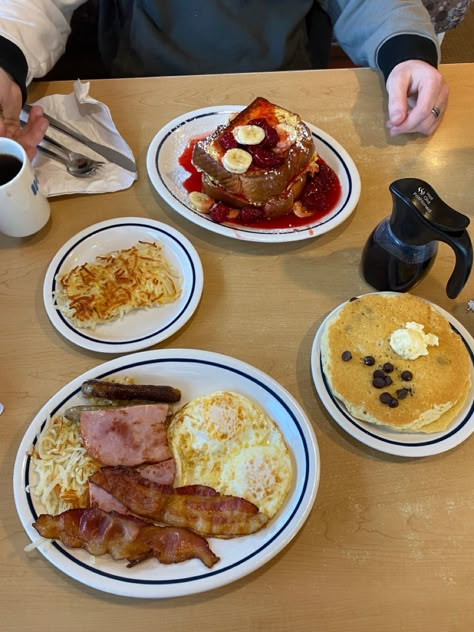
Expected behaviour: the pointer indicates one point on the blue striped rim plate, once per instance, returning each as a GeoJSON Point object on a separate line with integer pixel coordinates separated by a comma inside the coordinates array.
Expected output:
{"type": "Point", "coordinates": [167, 176]}
{"type": "Point", "coordinates": [405, 444]}
{"type": "Point", "coordinates": [142, 328]}
{"type": "Point", "coordinates": [195, 372]}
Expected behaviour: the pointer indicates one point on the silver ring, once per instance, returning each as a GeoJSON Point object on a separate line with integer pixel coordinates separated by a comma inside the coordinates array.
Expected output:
{"type": "Point", "coordinates": [435, 111]}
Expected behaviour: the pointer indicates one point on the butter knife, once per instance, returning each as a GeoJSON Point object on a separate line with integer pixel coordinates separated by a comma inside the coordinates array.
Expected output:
{"type": "Point", "coordinates": [110, 154]}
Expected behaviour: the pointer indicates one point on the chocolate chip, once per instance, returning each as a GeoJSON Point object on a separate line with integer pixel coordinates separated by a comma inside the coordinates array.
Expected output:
{"type": "Point", "coordinates": [378, 382]}
{"type": "Point", "coordinates": [369, 360]}
{"type": "Point", "coordinates": [353, 298]}
{"type": "Point", "coordinates": [385, 398]}
{"type": "Point", "coordinates": [402, 393]}
{"type": "Point", "coordinates": [388, 399]}
{"type": "Point", "coordinates": [378, 373]}
{"type": "Point", "coordinates": [407, 376]}
{"type": "Point", "coordinates": [346, 356]}
{"type": "Point", "coordinates": [387, 380]}
{"type": "Point", "coordinates": [388, 367]}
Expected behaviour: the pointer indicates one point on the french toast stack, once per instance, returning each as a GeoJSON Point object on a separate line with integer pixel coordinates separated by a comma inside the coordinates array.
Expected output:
{"type": "Point", "coordinates": [259, 159]}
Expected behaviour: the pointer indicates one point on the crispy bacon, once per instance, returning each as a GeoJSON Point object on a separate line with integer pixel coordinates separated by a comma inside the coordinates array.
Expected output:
{"type": "Point", "coordinates": [198, 508]}
{"type": "Point", "coordinates": [162, 473]}
{"type": "Point", "coordinates": [124, 537]}
{"type": "Point", "coordinates": [98, 497]}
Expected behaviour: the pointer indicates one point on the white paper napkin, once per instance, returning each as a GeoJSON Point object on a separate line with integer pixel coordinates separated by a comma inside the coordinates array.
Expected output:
{"type": "Point", "coordinates": [93, 119]}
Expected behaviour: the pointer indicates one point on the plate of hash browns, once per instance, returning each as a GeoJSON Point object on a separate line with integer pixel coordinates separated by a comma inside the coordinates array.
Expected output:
{"type": "Point", "coordinates": [248, 495]}
{"type": "Point", "coordinates": [123, 285]}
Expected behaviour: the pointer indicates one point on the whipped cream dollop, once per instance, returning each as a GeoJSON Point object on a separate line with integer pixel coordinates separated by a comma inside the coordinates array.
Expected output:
{"type": "Point", "coordinates": [411, 342]}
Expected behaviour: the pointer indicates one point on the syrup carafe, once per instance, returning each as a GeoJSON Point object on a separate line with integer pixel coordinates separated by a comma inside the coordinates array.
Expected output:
{"type": "Point", "coordinates": [402, 248]}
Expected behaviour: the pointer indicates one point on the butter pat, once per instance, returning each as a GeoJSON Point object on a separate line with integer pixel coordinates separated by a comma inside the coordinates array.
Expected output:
{"type": "Point", "coordinates": [411, 342]}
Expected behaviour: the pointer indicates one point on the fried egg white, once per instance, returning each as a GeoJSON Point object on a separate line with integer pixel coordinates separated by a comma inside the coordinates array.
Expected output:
{"type": "Point", "coordinates": [227, 442]}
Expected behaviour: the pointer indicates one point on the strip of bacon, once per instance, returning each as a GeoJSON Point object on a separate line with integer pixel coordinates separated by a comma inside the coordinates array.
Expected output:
{"type": "Point", "coordinates": [124, 537]}
{"type": "Point", "coordinates": [98, 497]}
{"type": "Point", "coordinates": [203, 510]}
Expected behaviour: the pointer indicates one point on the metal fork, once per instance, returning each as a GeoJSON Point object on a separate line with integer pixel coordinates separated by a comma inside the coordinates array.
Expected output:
{"type": "Point", "coordinates": [77, 164]}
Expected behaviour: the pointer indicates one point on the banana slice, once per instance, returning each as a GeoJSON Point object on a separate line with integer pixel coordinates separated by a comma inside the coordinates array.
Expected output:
{"type": "Point", "coordinates": [236, 160]}
{"type": "Point", "coordinates": [248, 134]}
{"type": "Point", "coordinates": [200, 202]}
{"type": "Point", "coordinates": [300, 211]}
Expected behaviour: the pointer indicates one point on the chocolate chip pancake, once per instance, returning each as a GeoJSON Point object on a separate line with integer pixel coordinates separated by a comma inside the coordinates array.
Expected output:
{"type": "Point", "coordinates": [379, 386]}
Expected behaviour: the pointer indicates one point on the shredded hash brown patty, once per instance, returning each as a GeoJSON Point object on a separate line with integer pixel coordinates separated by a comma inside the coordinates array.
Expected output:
{"type": "Point", "coordinates": [62, 467]}
{"type": "Point", "coordinates": [117, 283]}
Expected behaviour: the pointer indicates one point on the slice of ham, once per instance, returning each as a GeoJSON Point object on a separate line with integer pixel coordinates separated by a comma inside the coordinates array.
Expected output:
{"type": "Point", "coordinates": [198, 508]}
{"type": "Point", "coordinates": [162, 473]}
{"type": "Point", "coordinates": [130, 435]}
{"type": "Point", "coordinates": [101, 499]}
{"type": "Point", "coordinates": [99, 532]}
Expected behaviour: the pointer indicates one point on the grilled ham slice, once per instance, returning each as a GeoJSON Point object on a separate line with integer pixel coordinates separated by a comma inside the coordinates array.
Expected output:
{"type": "Point", "coordinates": [131, 435]}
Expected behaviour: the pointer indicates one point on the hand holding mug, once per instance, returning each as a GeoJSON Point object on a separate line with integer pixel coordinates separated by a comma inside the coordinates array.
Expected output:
{"type": "Point", "coordinates": [23, 209]}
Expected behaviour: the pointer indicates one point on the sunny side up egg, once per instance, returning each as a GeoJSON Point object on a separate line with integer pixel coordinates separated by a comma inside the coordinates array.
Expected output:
{"type": "Point", "coordinates": [227, 442]}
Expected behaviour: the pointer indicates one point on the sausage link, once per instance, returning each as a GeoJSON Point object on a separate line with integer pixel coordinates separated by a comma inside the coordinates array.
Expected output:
{"type": "Point", "coordinates": [74, 413]}
{"type": "Point", "coordinates": [113, 390]}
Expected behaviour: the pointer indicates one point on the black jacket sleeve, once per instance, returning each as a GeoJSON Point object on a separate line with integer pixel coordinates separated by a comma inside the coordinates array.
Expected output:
{"type": "Point", "coordinates": [403, 47]}
{"type": "Point", "coordinates": [13, 61]}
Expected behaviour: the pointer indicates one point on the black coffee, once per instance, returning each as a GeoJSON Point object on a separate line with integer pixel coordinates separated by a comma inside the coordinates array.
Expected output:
{"type": "Point", "coordinates": [9, 167]}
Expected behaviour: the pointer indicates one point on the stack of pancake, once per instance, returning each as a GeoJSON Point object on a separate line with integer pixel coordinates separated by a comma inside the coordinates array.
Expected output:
{"type": "Point", "coordinates": [438, 383]}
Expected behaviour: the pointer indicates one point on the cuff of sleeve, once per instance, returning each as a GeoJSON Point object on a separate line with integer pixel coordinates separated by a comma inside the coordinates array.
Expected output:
{"type": "Point", "coordinates": [13, 61]}
{"type": "Point", "coordinates": [404, 47]}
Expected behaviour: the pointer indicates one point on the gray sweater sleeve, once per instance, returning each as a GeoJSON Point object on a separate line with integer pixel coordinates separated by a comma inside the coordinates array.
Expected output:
{"type": "Point", "coordinates": [382, 33]}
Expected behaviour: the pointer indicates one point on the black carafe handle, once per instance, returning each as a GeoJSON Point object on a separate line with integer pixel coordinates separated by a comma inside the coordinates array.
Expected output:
{"type": "Point", "coordinates": [420, 216]}
{"type": "Point", "coordinates": [463, 250]}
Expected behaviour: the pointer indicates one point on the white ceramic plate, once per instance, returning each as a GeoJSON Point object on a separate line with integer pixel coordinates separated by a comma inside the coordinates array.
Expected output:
{"type": "Point", "coordinates": [141, 328]}
{"type": "Point", "coordinates": [195, 373]}
{"type": "Point", "coordinates": [167, 176]}
{"type": "Point", "coordinates": [406, 444]}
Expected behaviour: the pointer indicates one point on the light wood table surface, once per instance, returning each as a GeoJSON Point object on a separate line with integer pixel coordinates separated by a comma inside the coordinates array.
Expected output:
{"type": "Point", "coordinates": [389, 544]}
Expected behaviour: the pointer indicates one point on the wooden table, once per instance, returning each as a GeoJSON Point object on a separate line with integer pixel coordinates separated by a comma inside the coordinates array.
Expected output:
{"type": "Point", "coordinates": [389, 544]}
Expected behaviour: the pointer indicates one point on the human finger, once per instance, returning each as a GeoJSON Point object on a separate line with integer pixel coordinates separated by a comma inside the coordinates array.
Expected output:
{"type": "Point", "coordinates": [398, 86]}
{"type": "Point", "coordinates": [32, 133]}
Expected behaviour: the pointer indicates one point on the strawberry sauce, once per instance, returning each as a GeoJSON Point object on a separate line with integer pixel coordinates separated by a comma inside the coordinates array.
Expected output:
{"type": "Point", "coordinates": [332, 194]}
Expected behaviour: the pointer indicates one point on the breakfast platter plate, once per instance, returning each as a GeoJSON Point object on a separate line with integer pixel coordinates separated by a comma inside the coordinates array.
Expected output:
{"type": "Point", "coordinates": [195, 373]}
{"type": "Point", "coordinates": [167, 176]}
{"type": "Point", "coordinates": [382, 438]}
{"type": "Point", "coordinates": [141, 328]}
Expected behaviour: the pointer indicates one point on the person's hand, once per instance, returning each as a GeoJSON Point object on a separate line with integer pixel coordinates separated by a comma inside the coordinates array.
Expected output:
{"type": "Point", "coordinates": [417, 98]}
{"type": "Point", "coordinates": [10, 107]}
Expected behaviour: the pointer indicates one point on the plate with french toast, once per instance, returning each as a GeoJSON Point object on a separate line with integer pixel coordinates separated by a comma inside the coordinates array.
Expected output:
{"type": "Point", "coordinates": [396, 372]}
{"type": "Point", "coordinates": [113, 487]}
{"type": "Point", "coordinates": [256, 173]}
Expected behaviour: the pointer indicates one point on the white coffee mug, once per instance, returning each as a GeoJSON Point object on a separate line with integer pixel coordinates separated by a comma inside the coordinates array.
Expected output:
{"type": "Point", "coordinates": [23, 209]}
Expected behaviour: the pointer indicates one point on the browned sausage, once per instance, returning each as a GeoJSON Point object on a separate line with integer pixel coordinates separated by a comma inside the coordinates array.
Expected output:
{"type": "Point", "coordinates": [113, 390]}
{"type": "Point", "coordinates": [74, 413]}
